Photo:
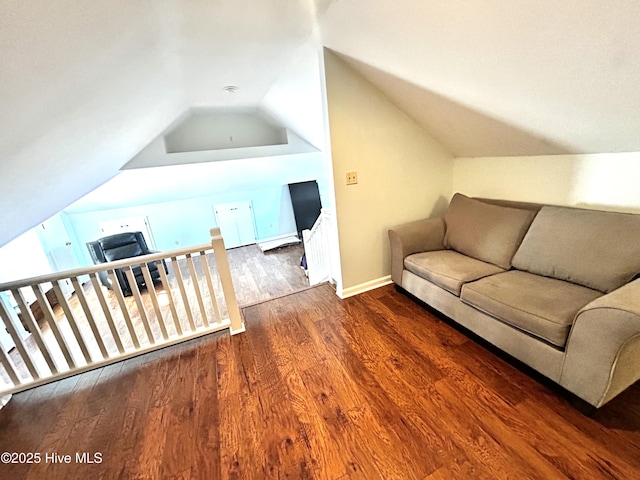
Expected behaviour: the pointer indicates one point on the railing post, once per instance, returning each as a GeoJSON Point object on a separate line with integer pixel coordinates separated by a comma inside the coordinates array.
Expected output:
{"type": "Point", "coordinates": [222, 262]}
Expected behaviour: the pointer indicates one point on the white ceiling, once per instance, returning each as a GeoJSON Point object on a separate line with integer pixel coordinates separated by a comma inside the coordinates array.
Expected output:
{"type": "Point", "coordinates": [565, 73]}
{"type": "Point", "coordinates": [85, 86]}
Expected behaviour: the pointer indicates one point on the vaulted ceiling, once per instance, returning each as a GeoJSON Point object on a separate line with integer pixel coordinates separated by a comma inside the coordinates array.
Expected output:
{"type": "Point", "coordinates": [86, 86]}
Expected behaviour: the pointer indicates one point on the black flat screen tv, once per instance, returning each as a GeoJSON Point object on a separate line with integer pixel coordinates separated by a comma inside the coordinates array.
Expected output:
{"type": "Point", "coordinates": [305, 198]}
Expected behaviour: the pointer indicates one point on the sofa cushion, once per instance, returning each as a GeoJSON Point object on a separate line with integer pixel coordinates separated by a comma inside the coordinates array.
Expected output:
{"type": "Point", "coordinates": [490, 233]}
{"type": "Point", "coordinates": [544, 307]}
{"type": "Point", "coordinates": [599, 250]}
{"type": "Point", "coordinates": [448, 269]}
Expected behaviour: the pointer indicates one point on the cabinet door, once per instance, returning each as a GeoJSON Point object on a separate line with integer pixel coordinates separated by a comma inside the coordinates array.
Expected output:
{"type": "Point", "coordinates": [132, 224]}
{"type": "Point", "coordinates": [58, 248]}
{"type": "Point", "coordinates": [236, 224]}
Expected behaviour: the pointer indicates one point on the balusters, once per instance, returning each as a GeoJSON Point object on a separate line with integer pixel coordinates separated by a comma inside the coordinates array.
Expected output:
{"type": "Point", "coordinates": [53, 324]}
{"type": "Point", "coordinates": [172, 305]}
{"type": "Point", "coordinates": [89, 315]}
{"type": "Point", "coordinates": [196, 287]}
{"type": "Point", "coordinates": [183, 292]}
{"type": "Point", "coordinates": [62, 300]}
{"type": "Point", "coordinates": [9, 366]}
{"type": "Point", "coordinates": [64, 327]}
{"type": "Point", "coordinates": [107, 312]}
{"type": "Point", "coordinates": [33, 327]}
{"type": "Point", "coordinates": [123, 308]}
{"type": "Point", "coordinates": [25, 354]}
{"type": "Point", "coordinates": [135, 291]}
{"type": "Point", "coordinates": [212, 293]}
{"type": "Point", "coordinates": [154, 298]}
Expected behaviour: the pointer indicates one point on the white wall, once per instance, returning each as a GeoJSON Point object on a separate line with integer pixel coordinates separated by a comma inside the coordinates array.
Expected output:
{"type": "Point", "coordinates": [403, 174]}
{"type": "Point", "coordinates": [604, 181]}
{"type": "Point", "coordinates": [205, 129]}
{"type": "Point", "coordinates": [295, 99]}
{"type": "Point", "coordinates": [23, 257]}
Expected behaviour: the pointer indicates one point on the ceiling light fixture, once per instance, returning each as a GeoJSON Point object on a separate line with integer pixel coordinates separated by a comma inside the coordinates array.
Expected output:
{"type": "Point", "coordinates": [230, 89]}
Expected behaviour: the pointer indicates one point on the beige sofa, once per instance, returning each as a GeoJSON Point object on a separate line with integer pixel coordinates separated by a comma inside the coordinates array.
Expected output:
{"type": "Point", "coordinates": [554, 287]}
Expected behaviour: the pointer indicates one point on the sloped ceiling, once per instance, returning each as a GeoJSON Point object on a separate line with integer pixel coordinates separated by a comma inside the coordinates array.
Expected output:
{"type": "Point", "coordinates": [85, 86]}
{"type": "Point", "coordinates": [562, 75]}
{"type": "Point", "coordinates": [464, 131]}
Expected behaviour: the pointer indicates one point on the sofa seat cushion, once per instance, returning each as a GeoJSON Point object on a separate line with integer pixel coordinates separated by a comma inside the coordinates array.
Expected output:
{"type": "Point", "coordinates": [486, 232]}
{"type": "Point", "coordinates": [544, 307]}
{"type": "Point", "coordinates": [449, 269]}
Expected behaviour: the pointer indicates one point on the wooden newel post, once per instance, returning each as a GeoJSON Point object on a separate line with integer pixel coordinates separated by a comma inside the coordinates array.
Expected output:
{"type": "Point", "coordinates": [222, 262]}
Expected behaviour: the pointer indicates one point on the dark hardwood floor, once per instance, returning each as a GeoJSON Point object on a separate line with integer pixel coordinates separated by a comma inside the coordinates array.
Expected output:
{"type": "Point", "coordinates": [372, 387]}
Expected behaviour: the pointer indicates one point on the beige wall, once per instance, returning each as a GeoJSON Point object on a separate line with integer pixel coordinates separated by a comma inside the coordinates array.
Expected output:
{"type": "Point", "coordinates": [605, 181]}
{"type": "Point", "coordinates": [403, 173]}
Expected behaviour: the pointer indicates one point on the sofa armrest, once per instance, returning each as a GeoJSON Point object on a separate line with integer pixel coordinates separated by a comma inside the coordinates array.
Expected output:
{"type": "Point", "coordinates": [603, 351]}
{"type": "Point", "coordinates": [414, 237]}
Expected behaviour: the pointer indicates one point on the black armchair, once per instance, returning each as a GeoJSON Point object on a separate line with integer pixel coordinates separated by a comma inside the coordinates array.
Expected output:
{"type": "Point", "coordinates": [118, 247]}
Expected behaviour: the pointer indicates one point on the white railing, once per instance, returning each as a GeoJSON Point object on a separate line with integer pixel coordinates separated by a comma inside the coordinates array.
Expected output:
{"type": "Point", "coordinates": [317, 249]}
{"type": "Point", "coordinates": [96, 327]}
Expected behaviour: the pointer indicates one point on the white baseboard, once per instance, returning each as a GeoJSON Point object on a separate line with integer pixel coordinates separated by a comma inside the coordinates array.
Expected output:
{"type": "Point", "coordinates": [277, 237]}
{"type": "Point", "coordinates": [279, 241]}
{"type": "Point", "coordinates": [364, 287]}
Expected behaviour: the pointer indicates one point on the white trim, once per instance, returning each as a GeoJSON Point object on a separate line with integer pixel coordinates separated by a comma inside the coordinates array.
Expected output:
{"type": "Point", "coordinates": [279, 241]}
{"type": "Point", "coordinates": [278, 237]}
{"type": "Point", "coordinates": [240, 330]}
{"type": "Point", "coordinates": [364, 287]}
{"type": "Point", "coordinates": [334, 240]}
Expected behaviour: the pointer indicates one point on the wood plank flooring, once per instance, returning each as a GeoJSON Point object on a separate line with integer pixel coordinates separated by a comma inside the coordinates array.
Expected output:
{"type": "Point", "coordinates": [257, 277]}
{"type": "Point", "coordinates": [372, 387]}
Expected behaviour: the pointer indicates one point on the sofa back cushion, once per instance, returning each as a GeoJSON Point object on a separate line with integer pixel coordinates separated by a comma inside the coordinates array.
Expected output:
{"type": "Point", "coordinates": [490, 233]}
{"type": "Point", "coordinates": [599, 250]}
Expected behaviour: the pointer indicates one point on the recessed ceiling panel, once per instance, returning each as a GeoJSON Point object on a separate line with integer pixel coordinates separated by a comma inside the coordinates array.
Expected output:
{"type": "Point", "coordinates": [209, 130]}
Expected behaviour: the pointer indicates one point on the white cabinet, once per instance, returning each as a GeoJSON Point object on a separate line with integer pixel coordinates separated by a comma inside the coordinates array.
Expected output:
{"type": "Point", "coordinates": [132, 224]}
{"type": "Point", "coordinates": [236, 223]}
{"type": "Point", "coordinates": [58, 248]}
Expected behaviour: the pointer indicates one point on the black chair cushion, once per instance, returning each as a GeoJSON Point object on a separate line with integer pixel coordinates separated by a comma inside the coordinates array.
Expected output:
{"type": "Point", "coordinates": [123, 251]}
{"type": "Point", "coordinates": [118, 240]}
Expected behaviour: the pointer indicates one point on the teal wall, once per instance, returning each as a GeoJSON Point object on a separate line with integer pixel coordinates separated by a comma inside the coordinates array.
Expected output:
{"type": "Point", "coordinates": [184, 223]}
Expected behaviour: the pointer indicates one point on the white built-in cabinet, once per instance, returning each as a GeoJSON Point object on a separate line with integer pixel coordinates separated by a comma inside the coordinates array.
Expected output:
{"type": "Point", "coordinates": [131, 224]}
{"type": "Point", "coordinates": [236, 223]}
{"type": "Point", "coordinates": [57, 246]}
